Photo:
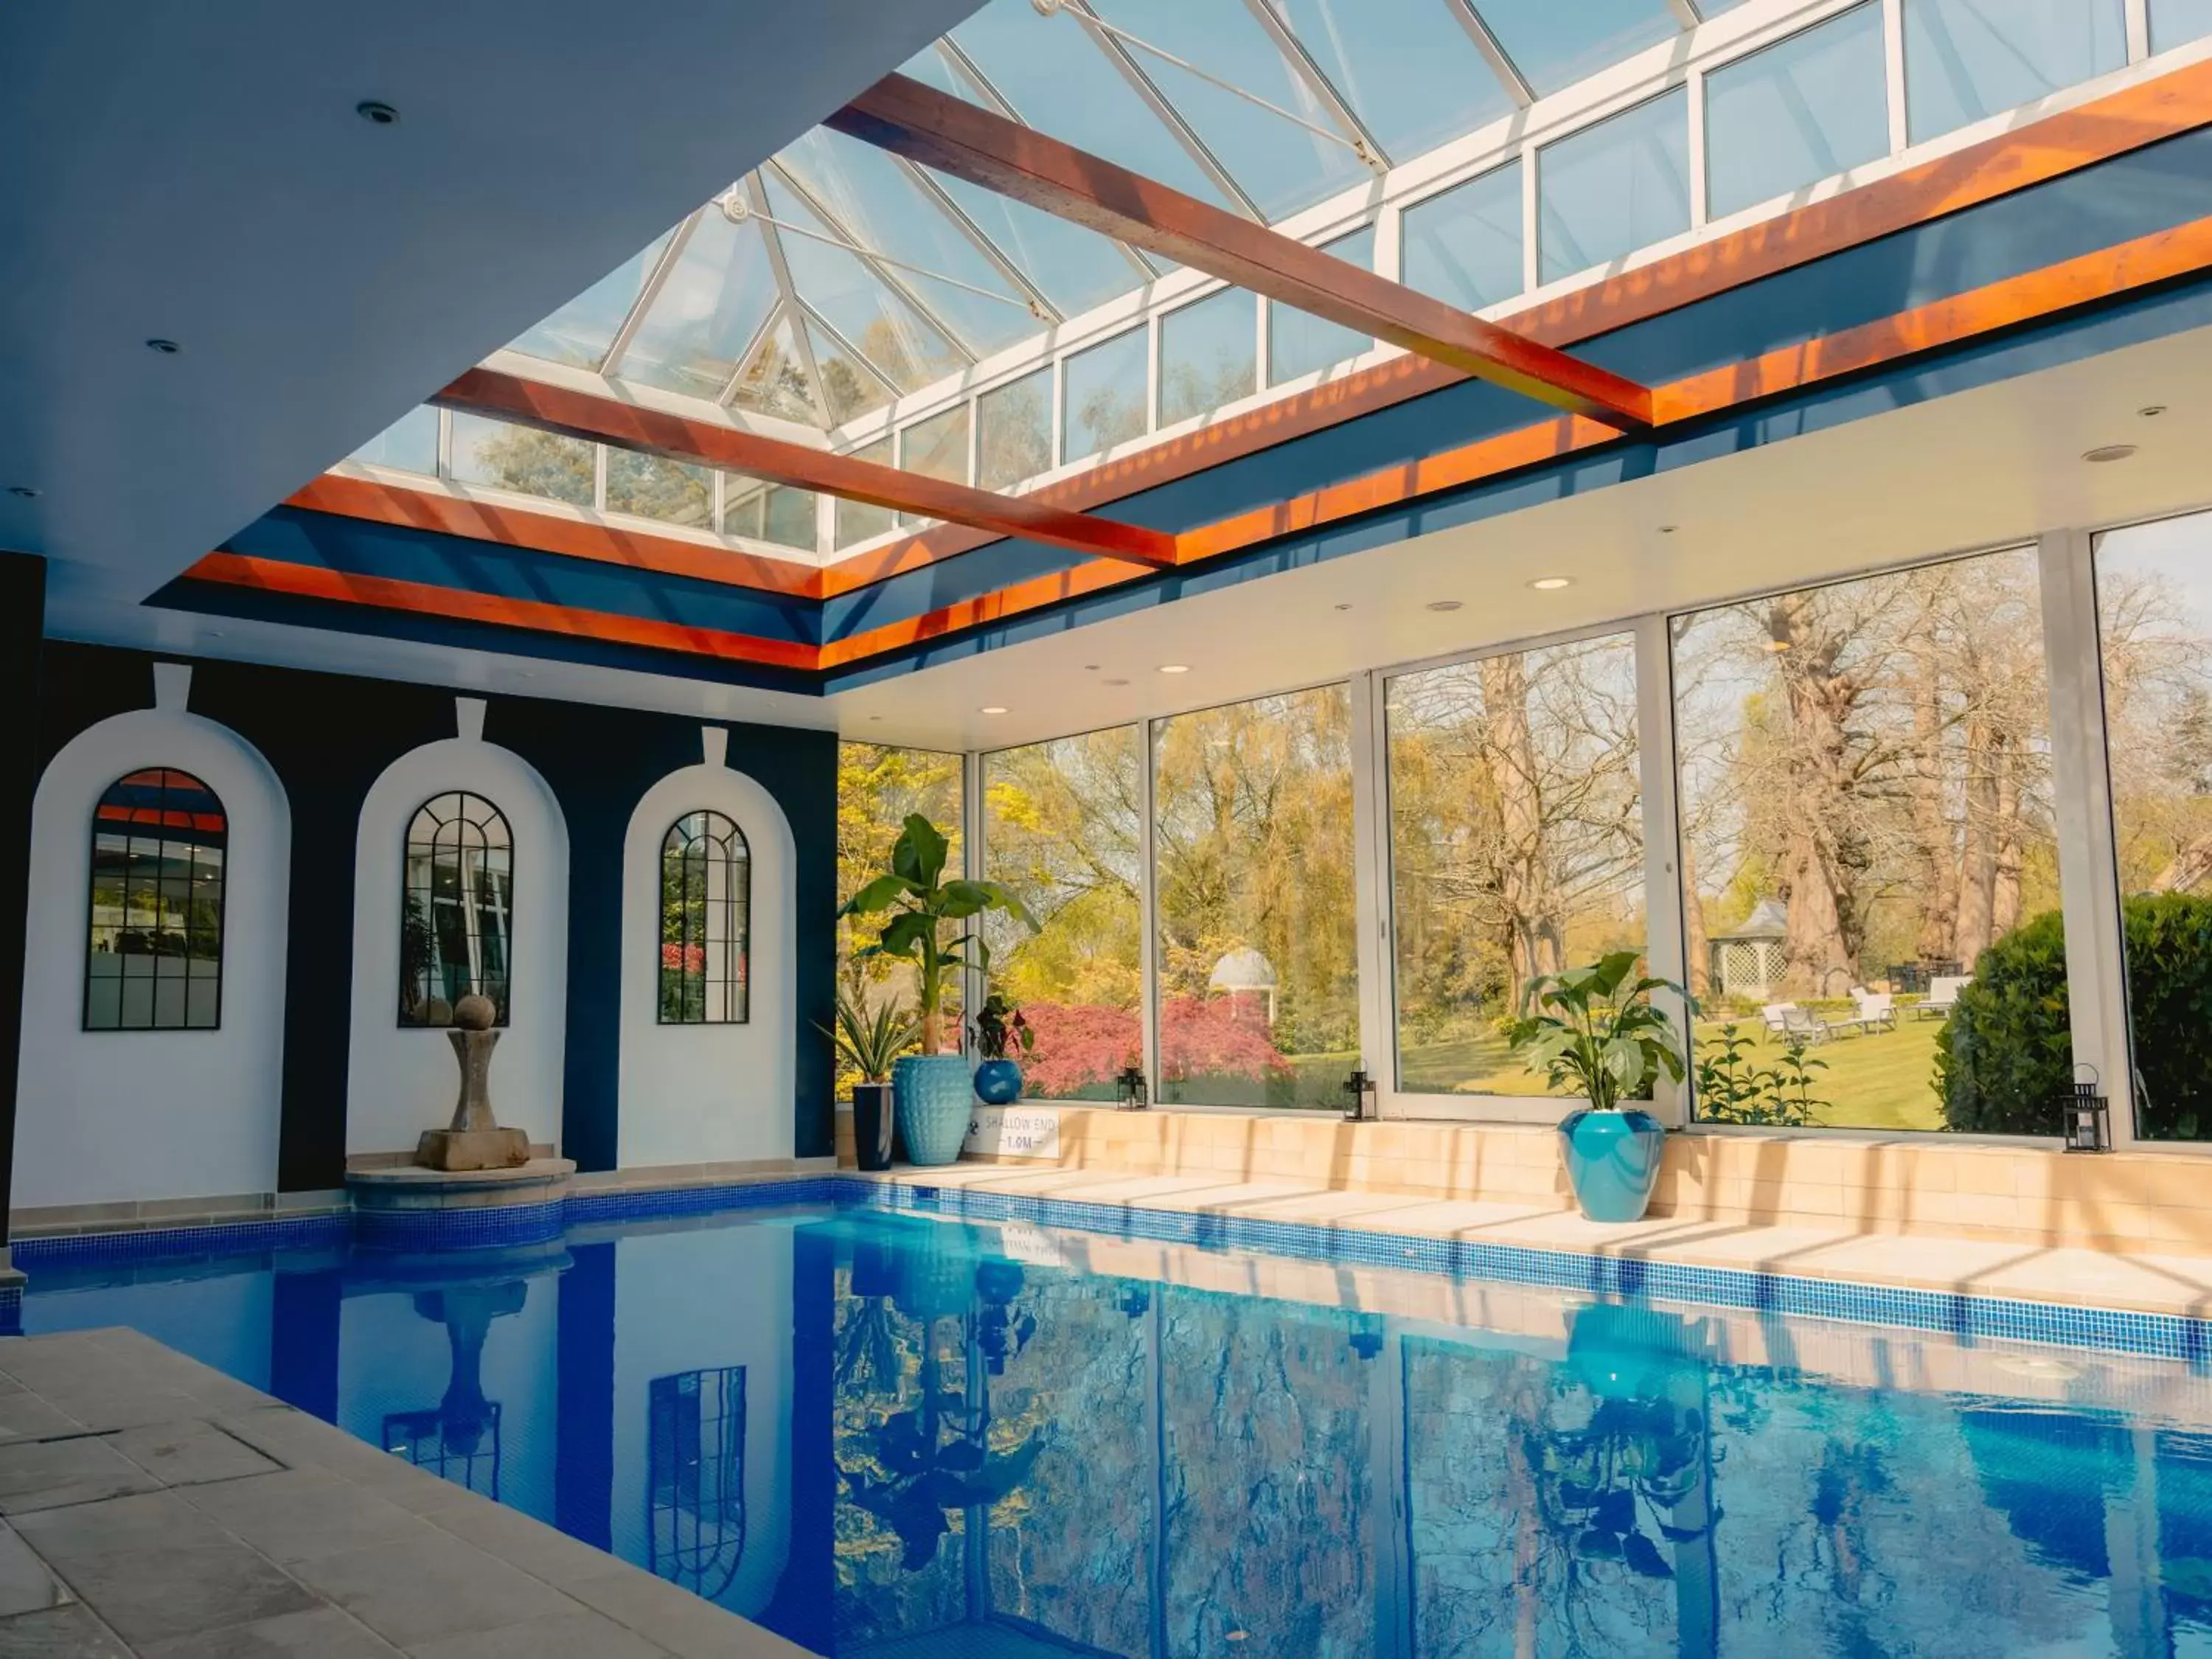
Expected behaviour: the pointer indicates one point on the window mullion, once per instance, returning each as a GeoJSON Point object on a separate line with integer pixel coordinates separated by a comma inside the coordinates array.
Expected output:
{"type": "Point", "coordinates": [1371, 886]}
{"type": "Point", "coordinates": [2081, 796]}
{"type": "Point", "coordinates": [1664, 947]}
{"type": "Point", "coordinates": [1148, 943]}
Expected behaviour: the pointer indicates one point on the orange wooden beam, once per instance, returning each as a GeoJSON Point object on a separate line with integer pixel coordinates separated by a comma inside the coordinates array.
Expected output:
{"type": "Point", "coordinates": [586, 415]}
{"type": "Point", "coordinates": [955, 137]}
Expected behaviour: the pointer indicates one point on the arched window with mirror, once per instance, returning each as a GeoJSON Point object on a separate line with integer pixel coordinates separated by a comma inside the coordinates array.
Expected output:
{"type": "Point", "coordinates": [457, 908]}
{"type": "Point", "coordinates": [154, 958]}
{"type": "Point", "coordinates": [706, 913]}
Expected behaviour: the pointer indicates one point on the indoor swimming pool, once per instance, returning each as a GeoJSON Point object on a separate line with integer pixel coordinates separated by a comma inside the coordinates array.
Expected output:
{"type": "Point", "coordinates": [883, 1431]}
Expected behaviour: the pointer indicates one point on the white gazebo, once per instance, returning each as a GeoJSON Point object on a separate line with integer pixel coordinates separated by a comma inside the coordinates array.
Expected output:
{"type": "Point", "coordinates": [1243, 976]}
{"type": "Point", "coordinates": [1747, 961]}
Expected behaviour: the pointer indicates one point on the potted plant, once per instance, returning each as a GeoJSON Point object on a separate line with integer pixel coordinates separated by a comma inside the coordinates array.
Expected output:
{"type": "Point", "coordinates": [870, 1041]}
{"type": "Point", "coordinates": [932, 1091]}
{"type": "Point", "coordinates": [1000, 1029]}
{"type": "Point", "coordinates": [1593, 1030]}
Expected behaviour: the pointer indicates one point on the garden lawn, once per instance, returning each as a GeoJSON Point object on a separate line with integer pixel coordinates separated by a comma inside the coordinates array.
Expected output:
{"type": "Point", "coordinates": [1883, 1080]}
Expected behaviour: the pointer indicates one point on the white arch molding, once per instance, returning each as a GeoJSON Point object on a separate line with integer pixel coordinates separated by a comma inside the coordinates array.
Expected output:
{"type": "Point", "coordinates": [401, 1081]}
{"type": "Point", "coordinates": [113, 1116]}
{"type": "Point", "coordinates": [709, 1094]}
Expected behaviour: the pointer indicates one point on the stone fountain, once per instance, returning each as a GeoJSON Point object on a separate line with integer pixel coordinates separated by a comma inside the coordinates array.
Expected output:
{"type": "Point", "coordinates": [470, 1163]}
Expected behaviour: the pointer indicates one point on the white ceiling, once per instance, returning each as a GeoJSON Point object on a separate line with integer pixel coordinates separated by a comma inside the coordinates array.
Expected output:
{"type": "Point", "coordinates": [198, 172]}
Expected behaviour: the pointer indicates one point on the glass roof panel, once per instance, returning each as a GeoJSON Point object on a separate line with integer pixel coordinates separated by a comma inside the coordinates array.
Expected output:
{"type": "Point", "coordinates": [580, 333]}
{"type": "Point", "coordinates": [707, 311]}
{"type": "Point", "coordinates": [1056, 79]}
{"type": "Point", "coordinates": [876, 203]}
{"type": "Point", "coordinates": [841, 289]}
{"type": "Point", "coordinates": [1408, 70]}
{"type": "Point", "coordinates": [1281, 166]}
{"type": "Point", "coordinates": [1554, 45]}
{"type": "Point", "coordinates": [774, 380]}
{"type": "Point", "coordinates": [851, 387]}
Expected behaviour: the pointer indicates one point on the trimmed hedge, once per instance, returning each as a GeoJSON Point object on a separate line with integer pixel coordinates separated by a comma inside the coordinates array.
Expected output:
{"type": "Point", "coordinates": [2004, 1059]}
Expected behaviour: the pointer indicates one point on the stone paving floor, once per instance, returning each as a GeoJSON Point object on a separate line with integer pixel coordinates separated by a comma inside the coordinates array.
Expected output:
{"type": "Point", "coordinates": [2147, 1283]}
{"type": "Point", "coordinates": [150, 1506]}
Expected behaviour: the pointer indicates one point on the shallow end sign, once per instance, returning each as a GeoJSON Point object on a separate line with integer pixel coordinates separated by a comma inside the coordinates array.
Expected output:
{"type": "Point", "coordinates": [1013, 1132]}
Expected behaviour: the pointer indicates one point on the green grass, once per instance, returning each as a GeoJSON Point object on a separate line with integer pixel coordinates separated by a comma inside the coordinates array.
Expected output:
{"type": "Point", "coordinates": [1878, 1081]}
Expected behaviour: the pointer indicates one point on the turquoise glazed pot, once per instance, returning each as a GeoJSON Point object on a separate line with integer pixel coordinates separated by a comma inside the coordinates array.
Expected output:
{"type": "Point", "coordinates": [998, 1082]}
{"type": "Point", "coordinates": [1612, 1161]}
{"type": "Point", "coordinates": [934, 1094]}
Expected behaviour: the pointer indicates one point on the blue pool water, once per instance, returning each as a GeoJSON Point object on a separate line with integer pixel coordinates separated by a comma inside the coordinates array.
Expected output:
{"type": "Point", "coordinates": [880, 1432]}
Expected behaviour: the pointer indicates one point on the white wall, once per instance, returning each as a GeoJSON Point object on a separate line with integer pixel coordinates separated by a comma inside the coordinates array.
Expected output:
{"type": "Point", "coordinates": [709, 1094]}
{"type": "Point", "coordinates": [106, 1116]}
{"type": "Point", "coordinates": [402, 1080]}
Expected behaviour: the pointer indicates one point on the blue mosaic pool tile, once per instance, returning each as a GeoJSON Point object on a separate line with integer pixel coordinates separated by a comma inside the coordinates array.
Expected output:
{"type": "Point", "coordinates": [1965, 1317]}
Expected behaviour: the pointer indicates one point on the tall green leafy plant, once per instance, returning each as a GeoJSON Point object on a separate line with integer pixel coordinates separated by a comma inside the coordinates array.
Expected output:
{"type": "Point", "coordinates": [919, 906]}
{"type": "Point", "coordinates": [1594, 1032]}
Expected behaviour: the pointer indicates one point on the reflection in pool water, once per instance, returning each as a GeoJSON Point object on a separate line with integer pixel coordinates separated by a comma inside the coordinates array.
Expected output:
{"type": "Point", "coordinates": [879, 1432]}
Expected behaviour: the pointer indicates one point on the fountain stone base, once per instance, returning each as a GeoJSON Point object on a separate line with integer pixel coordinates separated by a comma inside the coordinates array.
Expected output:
{"type": "Point", "coordinates": [472, 1149]}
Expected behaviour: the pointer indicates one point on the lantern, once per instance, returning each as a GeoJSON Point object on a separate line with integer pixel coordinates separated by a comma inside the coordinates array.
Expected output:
{"type": "Point", "coordinates": [1129, 1093]}
{"type": "Point", "coordinates": [1358, 1095]}
{"type": "Point", "coordinates": [2088, 1116]}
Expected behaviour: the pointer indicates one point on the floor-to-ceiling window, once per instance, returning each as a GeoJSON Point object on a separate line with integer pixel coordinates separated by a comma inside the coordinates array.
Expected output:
{"type": "Point", "coordinates": [1257, 949]}
{"type": "Point", "coordinates": [878, 785]}
{"type": "Point", "coordinates": [2155, 628]}
{"type": "Point", "coordinates": [1063, 826]}
{"type": "Point", "coordinates": [1869, 865]}
{"type": "Point", "coordinates": [1517, 847]}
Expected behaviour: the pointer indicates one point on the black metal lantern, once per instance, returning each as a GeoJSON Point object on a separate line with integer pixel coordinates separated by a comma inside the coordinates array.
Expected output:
{"type": "Point", "coordinates": [1129, 1092]}
{"type": "Point", "coordinates": [1358, 1095]}
{"type": "Point", "coordinates": [2088, 1120]}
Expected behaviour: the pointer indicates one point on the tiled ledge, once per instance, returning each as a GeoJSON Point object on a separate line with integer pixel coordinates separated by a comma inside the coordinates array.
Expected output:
{"type": "Point", "coordinates": [1918, 1186]}
{"type": "Point", "coordinates": [156, 1506]}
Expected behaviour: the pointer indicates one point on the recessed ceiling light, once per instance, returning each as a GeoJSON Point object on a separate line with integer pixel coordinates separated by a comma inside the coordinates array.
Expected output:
{"type": "Point", "coordinates": [875, 717]}
{"type": "Point", "coordinates": [2151, 411]}
{"type": "Point", "coordinates": [991, 708]}
{"type": "Point", "coordinates": [376, 114]}
{"type": "Point", "coordinates": [2109, 452]}
{"type": "Point", "coordinates": [1552, 584]}
{"type": "Point", "coordinates": [1113, 682]}
{"type": "Point", "coordinates": [1445, 605]}
{"type": "Point", "coordinates": [166, 347]}
{"type": "Point", "coordinates": [1668, 529]}
{"type": "Point", "coordinates": [1174, 668]}
{"type": "Point", "coordinates": [24, 490]}
{"type": "Point", "coordinates": [1090, 668]}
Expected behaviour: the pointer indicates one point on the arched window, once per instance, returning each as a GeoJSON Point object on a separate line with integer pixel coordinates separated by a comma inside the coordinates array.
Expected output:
{"type": "Point", "coordinates": [155, 957]}
{"type": "Point", "coordinates": [706, 913]}
{"type": "Point", "coordinates": [457, 908]}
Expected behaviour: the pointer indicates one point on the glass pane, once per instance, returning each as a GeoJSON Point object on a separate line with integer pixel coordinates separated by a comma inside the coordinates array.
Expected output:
{"type": "Point", "coordinates": [774, 380]}
{"type": "Point", "coordinates": [1465, 245]}
{"type": "Point", "coordinates": [1965, 59]}
{"type": "Point", "coordinates": [841, 289]}
{"type": "Point", "coordinates": [1554, 45]}
{"type": "Point", "coordinates": [673, 491]}
{"type": "Point", "coordinates": [877, 785]}
{"type": "Point", "coordinates": [409, 443]}
{"type": "Point", "coordinates": [938, 448]}
{"type": "Point", "coordinates": [1104, 401]}
{"type": "Point", "coordinates": [1057, 80]}
{"type": "Point", "coordinates": [2155, 620]}
{"type": "Point", "coordinates": [1615, 187]}
{"type": "Point", "coordinates": [581, 331]}
{"type": "Point", "coordinates": [1258, 964]}
{"type": "Point", "coordinates": [1406, 66]}
{"type": "Point", "coordinates": [1281, 166]}
{"type": "Point", "coordinates": [771, 513]}
{"type": "Point", "coordinates": [707, 313]}
{"type": "Point", "coordinates": [2174, 22]}
{"type": "Point", "coordinates": [1063, 826]}
{"type": "Point", "coordinates": [1809, 108]}
{"type": "Point", "coordinates": [1517, 847]}
{"type": "Point", "coordinates": [856, 520]}
{"type": "Point", "coordinates": [1013, 432]}
{"type": "Point", "coordinates": [852, 389]}
{"type": "Point", "coordinates": [877, 204]}
{"type": "Point", "coordinates": [523, 459]}
{"type": "Point", "coordinates": [1209, 356]}
{"type": "Point", "coordinates": [1869, 866]}
{"type": "Point", "coordinates": [1297, 344]}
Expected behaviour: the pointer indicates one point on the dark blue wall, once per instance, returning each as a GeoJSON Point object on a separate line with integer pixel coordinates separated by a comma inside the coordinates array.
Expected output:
{"type": "Point", "coordinates": [329, 736]}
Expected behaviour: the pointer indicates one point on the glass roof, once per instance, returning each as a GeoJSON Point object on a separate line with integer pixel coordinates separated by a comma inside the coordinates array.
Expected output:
{"type": "Point", "coordinates": [838, 277]}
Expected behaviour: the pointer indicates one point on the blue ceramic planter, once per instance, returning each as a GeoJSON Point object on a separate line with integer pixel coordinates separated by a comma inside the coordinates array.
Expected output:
{"type": "Point", "coordinates": [934, 1094]}
{"type": "Point", "coordinates": [1612, 1161]}
{"type": "Point", "coordinates": [998, 1082]}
